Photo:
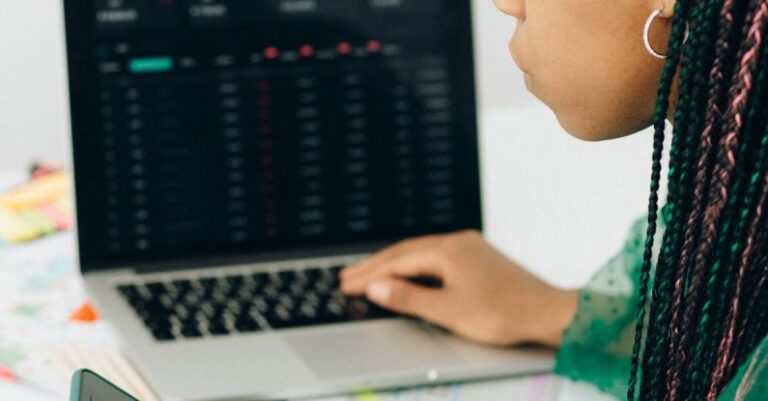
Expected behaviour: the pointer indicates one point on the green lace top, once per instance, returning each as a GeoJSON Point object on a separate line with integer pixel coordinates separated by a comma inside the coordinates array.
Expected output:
{"type": "Point", "coordinates": [597, 347]}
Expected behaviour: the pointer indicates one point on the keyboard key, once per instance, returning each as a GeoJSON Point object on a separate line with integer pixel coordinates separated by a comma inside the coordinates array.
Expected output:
{"type": "Point", "coordinates": [280, 317]}
{"type": "Point", "coordinates": [260, 278]}
{"type": "Point", "coordinates": [234, 281]}
{"type": "Point", "coordinates": [156, 289]}
{"type": "Point", "coordinates": [258, 306]}
{"type": "Point", "coordinates": [162, 335]}
{"type": "Point", "coordinates": [296, 289]}
{"type": "Point", "coordinates": [218, 329]}
{"type": "Point", "coordinates": [181, 285]}
{"type": "Point", "coordinates": [208, 283]}
{"type": "Point", "coordinates": [245, 294]}
{"type": "Point", "coordinates": [287, 276]}
{"type": "Point", "coordinates": [191, 332]}
{"type": "Point", "coordinates": [275, 281]}
{"type": "Point", "coordinates": [129, 292]}
{"type": "Point", "coordinates": [312, 275]}
{"type": "Point", "coordinates": [220, 306]}
{"type": "Point", "coordinates": [245, 323]}
{"type": "Point", "coordinates": [307, 311]}
{"type": "Point", "coordinates": [287, 301]}
{"type": "Point", "coordinates": [270, 291]}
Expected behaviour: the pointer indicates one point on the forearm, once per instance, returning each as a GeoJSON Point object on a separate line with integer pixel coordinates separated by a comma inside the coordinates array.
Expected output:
{"type": "Point", "coordinates": [548, 315]}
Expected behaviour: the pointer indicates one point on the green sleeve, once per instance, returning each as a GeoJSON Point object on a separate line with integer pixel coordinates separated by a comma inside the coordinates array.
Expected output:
{"type": "Point", "coordinates": [751, 381]}
{"type": "Point", "coordinates": [597, 347]}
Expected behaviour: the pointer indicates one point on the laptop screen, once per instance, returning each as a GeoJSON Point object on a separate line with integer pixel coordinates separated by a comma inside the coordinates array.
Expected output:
{"type": "Point", "coordinates": [208, 128]}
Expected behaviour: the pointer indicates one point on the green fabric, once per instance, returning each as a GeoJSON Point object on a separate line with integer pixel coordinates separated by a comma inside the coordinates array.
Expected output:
{"type": "Point", "coordinates": [751, 382]}
{"type": "Point", "coordinates": [597, 347]}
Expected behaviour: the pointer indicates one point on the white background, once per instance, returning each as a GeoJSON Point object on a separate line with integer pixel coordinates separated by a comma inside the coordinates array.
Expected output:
{"type": "Point", "coordinates": [558, 205]}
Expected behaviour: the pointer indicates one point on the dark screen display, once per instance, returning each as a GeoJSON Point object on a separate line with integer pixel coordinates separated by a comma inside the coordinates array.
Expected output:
{"type": "Point", "coordinates": [204, 128]}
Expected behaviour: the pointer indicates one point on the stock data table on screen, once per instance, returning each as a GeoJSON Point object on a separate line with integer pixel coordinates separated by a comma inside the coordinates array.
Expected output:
{"type": "Point", "coordinates": [295, 120]}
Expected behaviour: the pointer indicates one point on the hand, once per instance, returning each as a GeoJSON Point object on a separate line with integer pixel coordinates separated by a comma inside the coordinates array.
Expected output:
{"type": "Point", "coordinates": [483, 296]}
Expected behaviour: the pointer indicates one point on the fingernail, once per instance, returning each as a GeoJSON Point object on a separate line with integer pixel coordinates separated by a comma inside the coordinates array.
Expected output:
{"type": "Point", "coordinates": [379, 292]}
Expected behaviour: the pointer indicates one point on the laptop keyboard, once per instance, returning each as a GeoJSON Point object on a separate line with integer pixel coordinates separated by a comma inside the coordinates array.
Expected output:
{"type": "Point", "coordinates": [218, 306]}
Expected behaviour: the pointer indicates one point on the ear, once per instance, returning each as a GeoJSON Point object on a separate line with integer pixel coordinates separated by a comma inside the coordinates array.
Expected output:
{"type": "Point", "coordinates": [666, 7]}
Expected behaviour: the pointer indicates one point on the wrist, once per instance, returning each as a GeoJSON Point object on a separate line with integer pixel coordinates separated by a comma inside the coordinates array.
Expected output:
{"type": "Point", "coordinates": [549, 316]}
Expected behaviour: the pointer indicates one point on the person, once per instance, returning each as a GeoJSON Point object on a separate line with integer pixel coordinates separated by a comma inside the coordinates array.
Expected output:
{"type": "Point", "coordinates": [680, 312]}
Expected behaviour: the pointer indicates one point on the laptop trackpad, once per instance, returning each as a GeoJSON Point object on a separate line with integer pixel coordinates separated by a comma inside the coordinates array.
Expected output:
{"type": "Point", "coordinates": [380, 348]}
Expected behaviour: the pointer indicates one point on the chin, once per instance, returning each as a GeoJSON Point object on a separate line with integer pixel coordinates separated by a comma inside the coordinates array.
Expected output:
{"type": "Point", "coordinates": [583, 127]}
{"type": "Point", "coordinates": [527, 82]}
{"type": "Point", "coordinates": [589, 130]}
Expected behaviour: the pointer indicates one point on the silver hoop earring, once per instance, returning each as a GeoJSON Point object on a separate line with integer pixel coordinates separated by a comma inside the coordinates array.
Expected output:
{"type": "Point", "coordinates": [647, 35]}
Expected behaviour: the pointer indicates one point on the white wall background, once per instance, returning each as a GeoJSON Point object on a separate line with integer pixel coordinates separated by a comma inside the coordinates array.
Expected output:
{"type": "Point", "coordinates": [558, 205]}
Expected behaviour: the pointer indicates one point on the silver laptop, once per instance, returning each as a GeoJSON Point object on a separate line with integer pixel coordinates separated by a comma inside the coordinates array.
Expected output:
{"type": "Point", "coordinates": [231, 156]}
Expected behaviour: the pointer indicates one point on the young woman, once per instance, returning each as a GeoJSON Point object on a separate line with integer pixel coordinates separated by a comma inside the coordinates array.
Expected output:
{"type": "Point", "coordinates": [681, 312]}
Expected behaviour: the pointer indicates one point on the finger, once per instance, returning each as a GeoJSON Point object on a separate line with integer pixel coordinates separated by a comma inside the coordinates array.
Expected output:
{"type": "Point", "coordinates": [368, 265]}
{"type": "Point", "coordinates": [402, 246]}
{"type": "Point", "coordinates": [409, 299]}
{"type": "Point", "coordinates": [421, 262]}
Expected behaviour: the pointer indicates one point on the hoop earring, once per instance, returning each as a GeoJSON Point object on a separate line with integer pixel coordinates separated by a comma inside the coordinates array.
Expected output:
{"type": "Point", "coordinates": [647, 35]}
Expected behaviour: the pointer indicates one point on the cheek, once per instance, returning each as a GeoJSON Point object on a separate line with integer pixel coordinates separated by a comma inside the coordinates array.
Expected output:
{"type": "Point", "coordinates": [517, 50]}
{"type": "Point", "coordinates": [524, 54]}
{"type": "Point", "coordinates": [546, 46]}
{"type": "Point", "coordinates": [590, 68]}
{"type": "Point", "coordinates": [528, 82]}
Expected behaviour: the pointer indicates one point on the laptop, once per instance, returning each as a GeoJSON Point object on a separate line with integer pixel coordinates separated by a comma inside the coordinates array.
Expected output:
{"type": "Point", "coordinates": [231, 156]}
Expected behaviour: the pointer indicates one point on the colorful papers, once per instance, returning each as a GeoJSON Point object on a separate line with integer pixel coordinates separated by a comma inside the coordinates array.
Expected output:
{"type": "Point", "coordinates": [38, 208]}
{"type": "Point", "coordinates": [86, 313]}
{"type": "Point", "coordinates": [46, 189]}
{"type": "Point", "coordinates": [14, 229]}
{"type": "Point", "coordinates": [367, 396]}
{"type": "Point", "coordinates": [7, 374]}
{"type": "Point", "coordinates": [43, 307]}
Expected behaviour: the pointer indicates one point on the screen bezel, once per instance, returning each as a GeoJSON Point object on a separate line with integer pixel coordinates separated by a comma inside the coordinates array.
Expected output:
{"type": "Point", "coordinates": [80, 39]}
{"type": "Point", "coordinates": [80, 390]}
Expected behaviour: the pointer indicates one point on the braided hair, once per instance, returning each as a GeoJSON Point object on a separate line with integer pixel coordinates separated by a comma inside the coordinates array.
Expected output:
{"type": "Point", "coordinates": [704, 308]}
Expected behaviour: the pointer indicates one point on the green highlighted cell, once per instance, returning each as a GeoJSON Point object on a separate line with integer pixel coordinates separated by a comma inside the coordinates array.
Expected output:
{"type": "Point", "coordinates": [150, 64]}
